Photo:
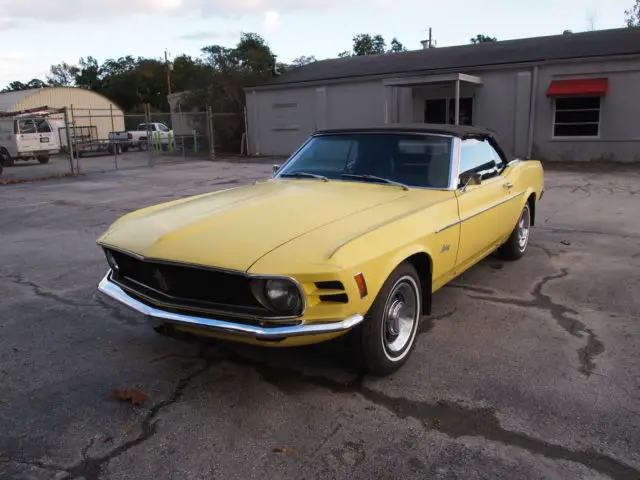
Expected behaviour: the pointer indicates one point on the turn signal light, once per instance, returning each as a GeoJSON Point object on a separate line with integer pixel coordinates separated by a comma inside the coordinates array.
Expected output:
{"type": "Point", "coordinates": [362, 285]}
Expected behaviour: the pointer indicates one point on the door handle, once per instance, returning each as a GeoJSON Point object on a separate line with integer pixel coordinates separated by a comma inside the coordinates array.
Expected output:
{"type": "Point", "coordinates": [508, 185]}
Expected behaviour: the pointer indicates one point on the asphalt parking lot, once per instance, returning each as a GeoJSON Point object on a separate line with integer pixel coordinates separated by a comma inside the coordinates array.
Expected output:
{"type": "Point", "coordinates": [526, 370]}
{"type": "Point", "coordinates": [60, 164]}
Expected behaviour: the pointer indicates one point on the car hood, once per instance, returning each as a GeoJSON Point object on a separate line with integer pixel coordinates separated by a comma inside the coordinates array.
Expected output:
{"type": "Point", "coordinates": [234, 228]}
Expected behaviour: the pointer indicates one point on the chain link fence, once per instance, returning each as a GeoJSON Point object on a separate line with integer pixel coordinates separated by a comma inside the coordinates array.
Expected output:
{"type": "Point", "coordinates": [31, 145]}
{"type": "Point", "coordinates": [86, 140]}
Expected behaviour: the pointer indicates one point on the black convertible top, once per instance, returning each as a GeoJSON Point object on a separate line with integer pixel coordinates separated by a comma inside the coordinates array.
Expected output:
{"type": "Point", "coordinates": [462, 131]}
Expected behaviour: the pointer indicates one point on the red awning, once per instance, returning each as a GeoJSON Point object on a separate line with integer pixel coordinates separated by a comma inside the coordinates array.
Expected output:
{"type": "Point", "coordinates": [581, 86]}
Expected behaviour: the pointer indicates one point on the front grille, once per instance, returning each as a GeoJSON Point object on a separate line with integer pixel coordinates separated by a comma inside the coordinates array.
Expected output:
{"type": "Point", "coordinates": [187, 286]}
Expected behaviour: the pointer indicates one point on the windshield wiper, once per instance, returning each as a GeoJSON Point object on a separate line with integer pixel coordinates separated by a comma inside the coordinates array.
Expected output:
{"type": "Point", "coordinates": [373, 178]}
{"type": "Point", "coordinates": [305, 175]}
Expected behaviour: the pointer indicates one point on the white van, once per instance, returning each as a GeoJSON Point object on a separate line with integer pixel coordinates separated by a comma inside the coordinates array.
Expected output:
{"type": "Point", "coordinates": [26, 138]}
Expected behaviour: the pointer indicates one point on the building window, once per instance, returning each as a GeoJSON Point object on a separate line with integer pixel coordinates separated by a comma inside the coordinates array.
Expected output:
{"type": "Point", "coordinates": [577, 116]}
{"type": "Point", "coordinates": [443, 111]}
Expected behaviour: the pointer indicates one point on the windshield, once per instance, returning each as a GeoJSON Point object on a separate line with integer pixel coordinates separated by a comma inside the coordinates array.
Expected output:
{"type": "Point", "coordinates": [410, 159]}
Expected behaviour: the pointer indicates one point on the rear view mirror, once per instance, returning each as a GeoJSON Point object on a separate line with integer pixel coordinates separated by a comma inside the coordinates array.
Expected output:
{"type": "Point", "coordinates": [276, 168]}
{"type": "Point", "coordinates": [470, 178]}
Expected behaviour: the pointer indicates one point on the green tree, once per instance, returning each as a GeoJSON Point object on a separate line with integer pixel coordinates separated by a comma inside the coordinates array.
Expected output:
{"type": "Point", "coordinates": [89, 74]}
{"type": "Point", "coordinates": [216, 78]}
{"type": "Point", "coordinates": [62, 75]}
{"type": "Point", "coordinates": [480, 38]}
{"type": "Point", "coordinates": [16, 85]}
{"type": "Point", "coordinates": [304, 60]}
{"type": "Point", "coordinates": [396, 46]}
{"type": "Point", "coordinates": [632, 16]}
{"type": "Point", "coordinates": [567, 32]}
{"type": "Point", "coordinates": [366, 44]}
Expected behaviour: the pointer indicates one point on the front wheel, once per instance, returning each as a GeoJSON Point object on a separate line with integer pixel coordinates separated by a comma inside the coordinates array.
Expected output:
{"type": "Point", "coordinates": [5, 158]}
{"type": "Point", "coordinates": [43, 159]}
{"type": "Point", "coordinates": [389, 331]}
{"type": "Point", "coordinates": [517, 243]}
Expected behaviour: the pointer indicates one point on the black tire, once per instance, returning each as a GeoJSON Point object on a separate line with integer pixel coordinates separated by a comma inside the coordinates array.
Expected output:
{"type": "Point", "coordinates": [376, 335]}
{"type": "Point", "coordinates": [1, 168]}
{"type": "Point", "coordinates": [5, 158]}
{"type": "Point", "coordinates": [43, 159]}
{"type": "Point", "coordinates": [516, 245]}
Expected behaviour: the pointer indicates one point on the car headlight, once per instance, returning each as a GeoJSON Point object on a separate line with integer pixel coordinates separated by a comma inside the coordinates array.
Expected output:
{"type": "Point", "coordinates": [283, 296]}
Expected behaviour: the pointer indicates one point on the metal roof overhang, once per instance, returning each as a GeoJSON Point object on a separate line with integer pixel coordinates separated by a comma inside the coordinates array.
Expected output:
{"type": "Point", "coordinates": [431, 79]}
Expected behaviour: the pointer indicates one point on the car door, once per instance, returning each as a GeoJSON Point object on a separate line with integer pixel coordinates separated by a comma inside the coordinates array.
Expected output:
{"type": "Point", "coordinates": [48, 138]}
{"type": "Point", "coordinates": [27, 137]}
{"type": "Point", "coordinates": [163, 132]}
{"type": "Point", "coordinates": [483, 208]}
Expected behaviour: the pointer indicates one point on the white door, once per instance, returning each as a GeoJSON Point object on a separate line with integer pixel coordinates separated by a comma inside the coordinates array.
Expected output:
{"type": "Point", "coordinates": [35, 135]}
{"type": "Point", "coordinates": [49, 137]}
{"type": "Point", "coordinates": [163, 132]}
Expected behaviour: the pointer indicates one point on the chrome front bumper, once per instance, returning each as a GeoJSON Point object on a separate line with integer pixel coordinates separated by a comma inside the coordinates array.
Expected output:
{"type": "Point", "coordinates": [111, 290]}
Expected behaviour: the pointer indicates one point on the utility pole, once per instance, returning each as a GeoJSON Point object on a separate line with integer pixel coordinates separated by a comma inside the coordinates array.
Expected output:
{"type": "Point", "coordinates": [428, 43]}
{"type": "Point", "coordinates": [169, 68]}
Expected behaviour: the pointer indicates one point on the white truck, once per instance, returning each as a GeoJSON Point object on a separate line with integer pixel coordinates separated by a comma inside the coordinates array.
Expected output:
{"type": "Point", "coordinates": [25, 138]}
{"type": "Point", "coordinates": [144, 135]}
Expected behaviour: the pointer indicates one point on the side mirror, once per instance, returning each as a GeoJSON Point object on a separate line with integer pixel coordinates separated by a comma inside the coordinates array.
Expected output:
{"type": "Point", "coordinates": [276, 168]}
{"type": "Point", "coordinates": [470, 178]}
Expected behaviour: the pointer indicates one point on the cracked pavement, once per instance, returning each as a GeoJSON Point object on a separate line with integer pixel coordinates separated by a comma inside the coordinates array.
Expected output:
{"type": "Point", "coordinates": [525, 370]}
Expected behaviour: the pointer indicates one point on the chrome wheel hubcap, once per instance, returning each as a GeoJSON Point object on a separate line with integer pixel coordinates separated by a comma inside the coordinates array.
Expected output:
{"type": "Point", "coordinates": [400, 317]}
{"type": "Point", "coordinates": [524, 225]}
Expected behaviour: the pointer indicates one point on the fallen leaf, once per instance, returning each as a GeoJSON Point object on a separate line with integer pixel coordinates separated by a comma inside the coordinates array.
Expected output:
{"type": "Point", "coordinates": [284, 449]}
{"type": "Point", "coordinates": [136, 397]}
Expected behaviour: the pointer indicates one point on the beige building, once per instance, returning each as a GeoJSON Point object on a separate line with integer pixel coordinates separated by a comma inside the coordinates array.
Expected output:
{"type": "Point", "coordinates": [95, 114]}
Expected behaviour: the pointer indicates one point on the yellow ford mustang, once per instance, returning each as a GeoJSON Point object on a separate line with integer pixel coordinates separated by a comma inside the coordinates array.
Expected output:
{"type": "Point", "coordinates": [353, 233]}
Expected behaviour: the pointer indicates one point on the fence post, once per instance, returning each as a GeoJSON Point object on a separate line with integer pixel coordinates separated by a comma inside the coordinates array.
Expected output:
{"type": "Point", "coordinates": [113, 140]}
{"type": "Point", "coordinates": [211, 133]}
{"type": "Point", "coordinates": [73, 126]}
{"type": "Point", "coordinates": [69, 143]}
{"type": "Point", "coordinates": [150, 144]}
{"type": "Point", "coordinates": [246, 131]}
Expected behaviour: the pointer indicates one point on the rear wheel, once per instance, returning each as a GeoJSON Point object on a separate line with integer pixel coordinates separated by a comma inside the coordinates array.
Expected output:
{"type": "Point", "coordinates": [389, 331]}
{"type": "Point", "coordinates": [517, 243]}
{"type": "Point", "coordinates": [43, 158]}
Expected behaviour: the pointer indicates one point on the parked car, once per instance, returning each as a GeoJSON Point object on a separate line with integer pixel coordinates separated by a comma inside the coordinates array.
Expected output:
{"type": "Point", "coordinates": [26, 138]}
{"type": "Point", "coordinates": [352, 234]}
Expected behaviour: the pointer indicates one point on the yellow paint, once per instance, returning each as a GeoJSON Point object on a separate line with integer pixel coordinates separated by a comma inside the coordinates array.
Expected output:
{"type": "Point", "coordinates": [317, 231]}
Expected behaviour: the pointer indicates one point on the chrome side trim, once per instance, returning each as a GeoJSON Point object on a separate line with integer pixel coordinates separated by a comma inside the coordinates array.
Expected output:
{"type": "Point", "coordinates": [114, 292]}
{"type": "Point", "coordinates": [490, 207]}
{"type": "Point", "coordinates": [442, 229]}
{"type": "Point", "coordinates": [453, 224]}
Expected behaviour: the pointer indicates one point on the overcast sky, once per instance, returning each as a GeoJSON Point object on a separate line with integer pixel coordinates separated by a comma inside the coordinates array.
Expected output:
{"type": "Point", "coordinates": [33, 35]}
